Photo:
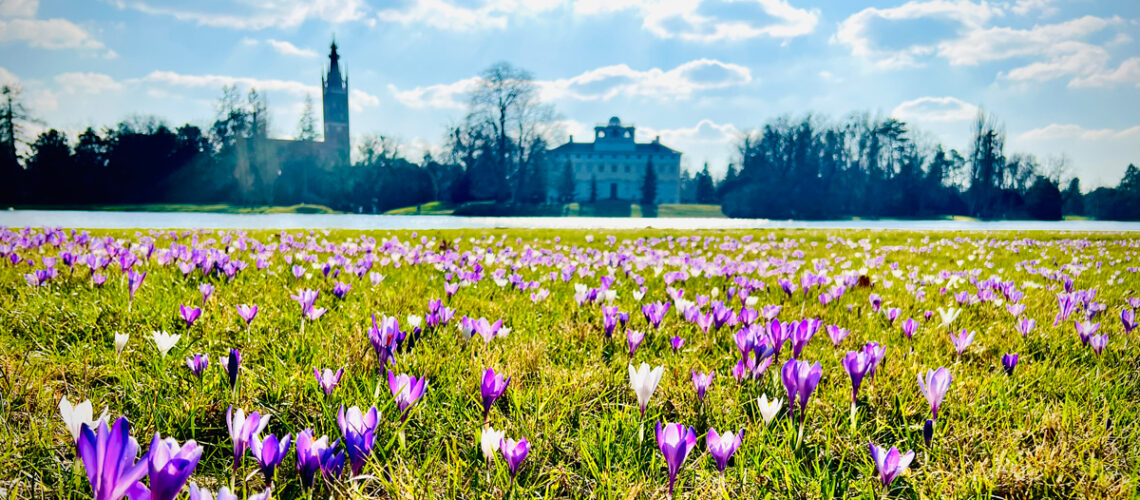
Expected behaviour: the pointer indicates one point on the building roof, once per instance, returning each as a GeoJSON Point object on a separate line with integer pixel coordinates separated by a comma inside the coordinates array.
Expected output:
{"type": "Point", "coordinates": [588, 147]}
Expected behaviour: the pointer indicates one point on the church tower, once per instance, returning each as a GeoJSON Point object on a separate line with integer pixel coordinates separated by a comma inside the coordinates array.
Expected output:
{"type": "Point", "coordinates": [334, 91]}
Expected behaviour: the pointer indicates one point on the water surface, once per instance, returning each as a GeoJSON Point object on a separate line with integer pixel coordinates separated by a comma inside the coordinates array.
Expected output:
{"type": "Point", "coordinates": [159, 220]}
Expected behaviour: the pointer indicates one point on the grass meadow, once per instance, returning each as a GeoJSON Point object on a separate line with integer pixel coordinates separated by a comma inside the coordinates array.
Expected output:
{"type": "Point", "coordinates": [1062, 425]}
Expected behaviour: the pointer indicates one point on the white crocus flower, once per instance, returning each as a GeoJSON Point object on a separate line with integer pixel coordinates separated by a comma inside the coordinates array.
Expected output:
{"type": "Point", "coordinates": [638, 295]}
{"type": "Point", "coordinates": [579, 288]}
{"type": "Point", "coordinates": [715, 291]}
{"type": "Point", "coordinates": [948, 315]}
{"type": "Point", "coordinates": [644, 382]}
{"type": "Point", "coordinates": [769, 409]}
{"type": "Point", "coordinates": [502, 282]}
{"type": "Point", "coordinates": [415, 321]}
{"type": "Point", "coordinates": [751, 301]}
{"type": "Point", "coordinates": [610, 296]}
{"type": "Point", "coordinates": [75, 416]}
{"type": "Point", "coordinates": [503, 332]}
{"type": "Point", "coordinates": [489, 442]}
{"type": "Point", "coordinates": [164, 342]}
{"type": "Point", "coordinates": [121, 342]}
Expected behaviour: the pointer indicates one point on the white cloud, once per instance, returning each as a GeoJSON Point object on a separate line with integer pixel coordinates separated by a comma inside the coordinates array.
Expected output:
{"type": "Point", "coordinates": [1054, 50]}
{"type": "Point", "coordinates": [855, 31]}
{"type": "Point", "coordinates": [600, 84]}
{"type": "Point", "coordinates": [48, 34]}
{"type": "Point", "coordinates": [444, 15]}
{"type": "Point", "coordinates": [443, 96]}
{"type": "Point", "coordinates": [1046, 7]}
{"type": "Point", "coordinates": [1055, 131]}
{"type": "Point", "coordinates": [999, 43]}
{"type": "Point", "coordinates": [287, 49]}
{"type": "Point", "coordinates": [935, 109]}
{"type": "Point", "coordinates": [684, 20]}
{"type": "Point", "coordinates": [86, 83]}
{"type": "Point", "coordinates": [358, 99]}
{"type": "Point", "coordinates": [19, 8]}
{"type": "Point", "coordinates": [1127, 73]}
{"type": "Point", "coordinates": [8, 78]}
{"type": "Point", "coordinates": [705, 131]}
{"type": "Point", "coordinates": [262, 14]}
{"type": "Point", "coordinates": [681, 19]}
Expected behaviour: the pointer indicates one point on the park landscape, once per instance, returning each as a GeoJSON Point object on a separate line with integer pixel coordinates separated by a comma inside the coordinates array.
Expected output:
{"type": "Point", "coordinates": [568, 364]}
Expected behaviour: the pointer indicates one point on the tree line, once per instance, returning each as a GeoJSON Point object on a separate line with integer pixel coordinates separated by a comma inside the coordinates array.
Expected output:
{"type": "Point", "coordinates": [809, 168]}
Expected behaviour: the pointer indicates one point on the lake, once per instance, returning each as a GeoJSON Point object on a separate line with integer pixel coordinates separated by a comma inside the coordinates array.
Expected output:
{"type": "Point", "coordinates": [159, 220]}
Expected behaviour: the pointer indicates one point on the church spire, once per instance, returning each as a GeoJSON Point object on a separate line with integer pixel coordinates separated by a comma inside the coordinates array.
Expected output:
{"type": "Point", "coordinates": [334, 78]}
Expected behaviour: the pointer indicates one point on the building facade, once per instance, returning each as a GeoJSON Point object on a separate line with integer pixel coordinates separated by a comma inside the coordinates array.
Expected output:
{"type": "Point", "coordinates": [615, 165]}
{"type": "Point", "coordinates": [288, 164]}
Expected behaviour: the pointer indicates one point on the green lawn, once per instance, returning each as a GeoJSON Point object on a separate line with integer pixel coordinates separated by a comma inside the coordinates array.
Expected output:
{"type": "Point", "coordinates": [1064, 425]}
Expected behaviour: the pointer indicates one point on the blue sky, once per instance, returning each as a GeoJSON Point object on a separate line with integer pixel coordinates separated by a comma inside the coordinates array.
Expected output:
{"type": "Point", "coordinates": [1062, 75]}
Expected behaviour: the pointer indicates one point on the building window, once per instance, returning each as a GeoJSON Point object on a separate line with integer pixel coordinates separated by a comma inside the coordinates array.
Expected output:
{"type": "Point", "coordinates": [613, 168]}
{"type": "Point", "coordinates": [627, 169]}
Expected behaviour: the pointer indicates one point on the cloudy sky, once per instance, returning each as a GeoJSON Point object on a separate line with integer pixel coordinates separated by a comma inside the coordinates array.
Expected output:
{"type": "Point", "coordinates": [1062, 75]}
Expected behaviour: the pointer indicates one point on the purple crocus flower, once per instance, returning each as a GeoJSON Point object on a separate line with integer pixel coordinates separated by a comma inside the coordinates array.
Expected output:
{"type": "Point", "coordinates": [890, 464]}
{"type": "Point", "coordinates": [1098, 343]}
{"type": "Point", "coordinates": [609, 320]}
{"type": "Point", "coordinates": [230, 364]}
{"type": "Point", "coordinates": [892, 314]}
{"type": "Point", "coordinates": [909, 327]}
{"type": "Point", "coordinates": [800, 379]}
{"type": "Point", "coordinates": [702, 381]}
{"type": "Point", "coordinates": [875, 353]}
{"type": "Point", "coordinates": [492, 388]}
{"type": "Point", "coordinates": [169, 466]}
{"type": "Point", "coordinates": [676, 342]}
{"type": "Point", "coordinates": [857, 364]}
{"type": "Point", "coordinates": [189, 314]}
{"type": "Point", "coordinates": [654, 312]}
{"type": "Point", "coordinates": [450, 289]}
{"type": "Point", "coordinates": [1086, 330]}
{"type": "Point", "coordinates": [928, 432]}
{"type": "Point", "coordinates": [837, 334]}
{"type": "Point", "coordinates": [242, 428]}
{"type": "Point", "coordinates": [359, 431]}
{"type": "Point", "coordinates": [340, 290]}
{"type": "Point", "coordinates": [1025, 325]}
{"type": "Point", "coordinates": [198, 364]}
{"type": "Point", "coordinates": [802, 333]}
{"type": "Point", "coordinates": [935, 387]}
{"type": "Point", "coordinates": [407, 391]}
{"type": "Point", "coordinates": [109, 456]}
{"type": "Point", "coordinates": [247, 312]}
{"type": "Point", "coordinates": [383, 337]}
{"type": "Point", "coordinates": [134, 282]}
{"type": "Point", "coordinates": [269, 453]}
{"type": "Point", "coordinates": [514, 452]}
{"type": "Point", "coordinates": [722, 446]}
{"type": "Point", "coordinates": [675, 442]}
{"type": "Point", "coordinates": [309, 454]}
{"type": "Point", "coordinates": [634, 338]}
{"type": "Point", "coordinates": [327, 380]}
{"type": "Point", "coordinates": [1008, 362]}
{"type": "Point", "coordinates": [306, 298]}
{"type": "Point", "coordinates": [207, 290]}
{"type": "Point", "coordinates": [962, 340]}
{"type": "Point", "coordinates": [1128, 320]}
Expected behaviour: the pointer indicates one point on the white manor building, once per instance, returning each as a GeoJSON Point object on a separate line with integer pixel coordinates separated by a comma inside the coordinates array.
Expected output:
{"type": "Point", "coordinates": [617, 164]}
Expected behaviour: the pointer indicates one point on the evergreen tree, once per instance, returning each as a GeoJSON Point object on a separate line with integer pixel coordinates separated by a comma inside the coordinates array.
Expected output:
{"type": "Point", "coordinates": [1073, 202]}
{"type": "Point", "coordinates": [649, 191]}
{"type": "Point", "coordinates": [13, 115]}
{"type": "Point", "coordinates": [566, 184]}
{"type": "Point", "coordinates": [307, 126]}
{"type": "Point", "coordinates": [1043, 200]}
{"type": "Point", "coordinates": [50, 165]}
{"type": "Point", "coordinates": [706, 193]}
{"type": "Point", "coordinates": [728, 183]}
